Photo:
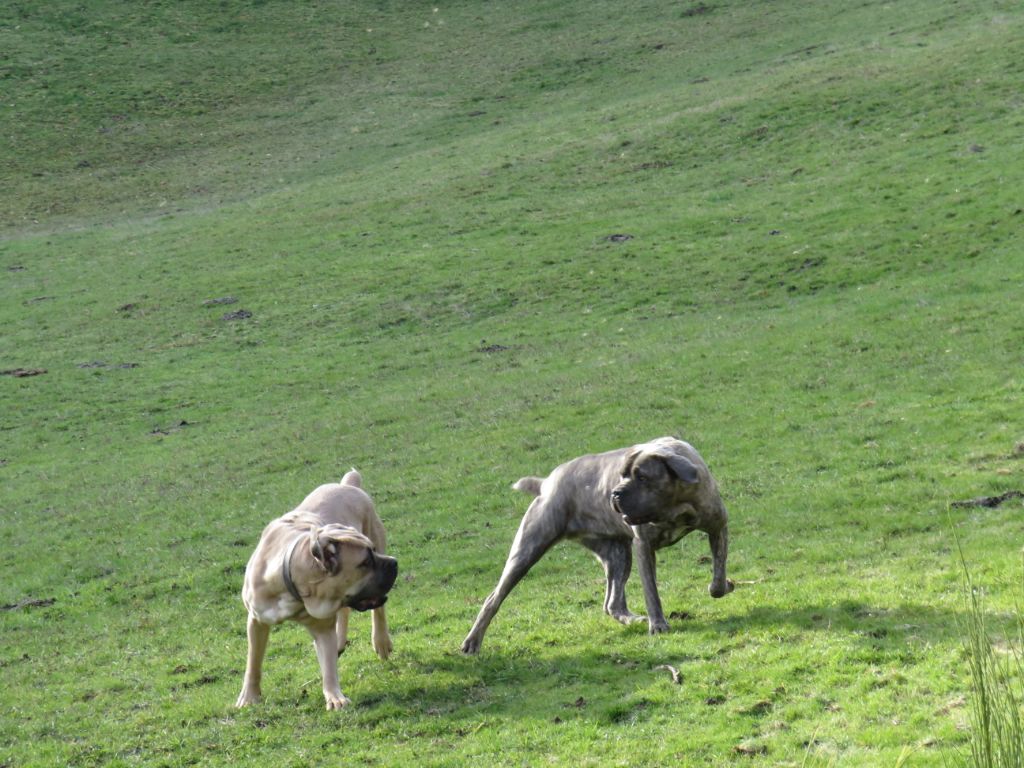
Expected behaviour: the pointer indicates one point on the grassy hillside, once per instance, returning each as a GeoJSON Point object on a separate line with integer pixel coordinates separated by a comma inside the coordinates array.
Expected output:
{"type": "Point", "coordinates": [246, 246]}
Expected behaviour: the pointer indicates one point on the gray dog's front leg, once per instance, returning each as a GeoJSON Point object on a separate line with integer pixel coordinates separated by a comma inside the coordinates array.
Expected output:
{"type": "Point", "coordinates": [719, 541]}
{"type": "Point", "coordinates": [616, 557]}
{"type": "Point", "coordinates": [647, 565]}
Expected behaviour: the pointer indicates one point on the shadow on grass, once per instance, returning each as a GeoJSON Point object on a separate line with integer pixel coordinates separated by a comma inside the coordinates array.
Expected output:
{"type": "Point", "coordinates": [561, 680]}
{"type": "Point", "coordinates": [449, 690]}
{"type": "Point", "coordinates": [435, 691]}
{"type": "Point", "coordinates": [875, 622]}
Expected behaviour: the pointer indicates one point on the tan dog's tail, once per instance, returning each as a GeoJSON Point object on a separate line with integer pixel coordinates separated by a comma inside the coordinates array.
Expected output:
{"type": "Point", "coordinates": [352, 477]}
{"type": "Point", "coordinates": [530, 485]}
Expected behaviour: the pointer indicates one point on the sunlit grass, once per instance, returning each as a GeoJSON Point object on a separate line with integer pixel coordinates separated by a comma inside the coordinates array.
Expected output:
{"type": "Point", "coordinates": [465, 253]}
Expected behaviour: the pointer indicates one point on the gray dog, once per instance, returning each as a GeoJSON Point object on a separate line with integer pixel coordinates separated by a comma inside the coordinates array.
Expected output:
{"type": "Point", "coordinates": [644, 497]}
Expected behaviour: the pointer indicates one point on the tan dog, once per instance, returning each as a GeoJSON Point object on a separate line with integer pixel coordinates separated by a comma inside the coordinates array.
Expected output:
{"type": "Point", "coordinates": [640, 498]}
{"type": "Point", "coordinates": [313, 566]}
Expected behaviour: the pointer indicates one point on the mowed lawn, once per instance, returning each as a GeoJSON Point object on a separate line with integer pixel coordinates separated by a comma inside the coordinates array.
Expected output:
{"type": "Point", "coordinates": [246, 246]}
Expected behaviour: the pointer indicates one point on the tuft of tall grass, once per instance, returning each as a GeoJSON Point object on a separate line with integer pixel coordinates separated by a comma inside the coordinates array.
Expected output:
{"type": "Point", "coordinates": [997, 686]}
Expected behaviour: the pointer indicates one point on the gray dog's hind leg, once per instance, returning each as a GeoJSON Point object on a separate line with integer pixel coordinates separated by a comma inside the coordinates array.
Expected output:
{"type": "Point", "coordinates": [617, 558]}
{"type": "Point", "coordinates": [537, 532]}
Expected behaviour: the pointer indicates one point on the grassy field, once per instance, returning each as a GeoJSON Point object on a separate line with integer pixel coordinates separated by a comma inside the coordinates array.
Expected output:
{"type": "Point", "coordinates": [248, 245]}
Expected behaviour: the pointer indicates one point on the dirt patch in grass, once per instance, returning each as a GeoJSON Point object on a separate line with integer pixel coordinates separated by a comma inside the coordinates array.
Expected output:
{"type": "Point", "coordinates": [29, 602]}
{"type": "Point", "coordinates": [989, 501]}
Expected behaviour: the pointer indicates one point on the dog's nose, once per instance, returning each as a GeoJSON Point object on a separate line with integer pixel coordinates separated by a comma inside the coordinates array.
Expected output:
{"type": "Point", "coordinates": [388, 571]}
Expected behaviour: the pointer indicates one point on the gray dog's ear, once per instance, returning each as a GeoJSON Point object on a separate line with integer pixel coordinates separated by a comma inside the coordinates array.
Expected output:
{"type": "Point", "coordinates": [681, 468]}
{"type": "Point", "coordinates": [325, 551]}
{"type": "Point", "coordinates": [629, 460]}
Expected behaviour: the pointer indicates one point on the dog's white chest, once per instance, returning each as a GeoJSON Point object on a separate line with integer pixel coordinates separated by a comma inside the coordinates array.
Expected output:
{"type": "Point", "coordinates": [283, 608]}
{"type": "Point", "coordinates": [320, 608]}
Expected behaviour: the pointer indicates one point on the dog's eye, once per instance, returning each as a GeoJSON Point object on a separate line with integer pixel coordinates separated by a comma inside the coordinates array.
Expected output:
{"type": "Point", "coordinates": [368, 562]}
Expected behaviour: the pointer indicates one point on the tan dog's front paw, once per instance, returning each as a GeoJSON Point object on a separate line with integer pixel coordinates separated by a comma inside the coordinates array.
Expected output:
{"type": "Point", "coordinates": [247, 697]}
{"type": "Point", "coordinates": [336, 701]}
{"type": "Point", "coordinates": [383, 647]}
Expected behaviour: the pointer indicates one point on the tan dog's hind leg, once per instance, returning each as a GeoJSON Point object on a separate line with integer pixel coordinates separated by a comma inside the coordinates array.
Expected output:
{"type": "Point", "coordinates": [381, 637]}
{"type": "Point", "coordinates": [325, 640]}
{"type": "Point", "coordinates": [258, 633]}
{"type": "Point", "coordinates": [343, 615]}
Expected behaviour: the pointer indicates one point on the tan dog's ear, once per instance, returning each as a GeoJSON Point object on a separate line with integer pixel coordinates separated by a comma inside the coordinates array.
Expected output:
{"type": "Point", "coordinates": [327, 541]}
{"type": "Point", "coordinates": [326, 552]}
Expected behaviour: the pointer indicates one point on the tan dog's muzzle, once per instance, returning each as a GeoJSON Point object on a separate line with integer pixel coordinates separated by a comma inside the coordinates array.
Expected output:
{"type": "Point", "coordinates": [375, 593]}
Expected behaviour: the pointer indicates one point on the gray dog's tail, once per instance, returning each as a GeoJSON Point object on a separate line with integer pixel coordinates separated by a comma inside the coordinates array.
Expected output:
{"type": "Point", "coordinates": [530, 485]}
{"type": "Point", "coordinates": [352, 477]}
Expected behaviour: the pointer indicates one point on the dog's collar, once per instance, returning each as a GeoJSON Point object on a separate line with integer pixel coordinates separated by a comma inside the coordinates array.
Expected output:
{"type": "Point", "coordinates": [286, 570]}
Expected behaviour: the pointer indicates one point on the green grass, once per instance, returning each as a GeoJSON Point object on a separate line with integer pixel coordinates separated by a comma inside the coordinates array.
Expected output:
{"type": "Point", "coordinates": [997, 676]}
{"type": "Point", "coordinates": [820, 292]}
